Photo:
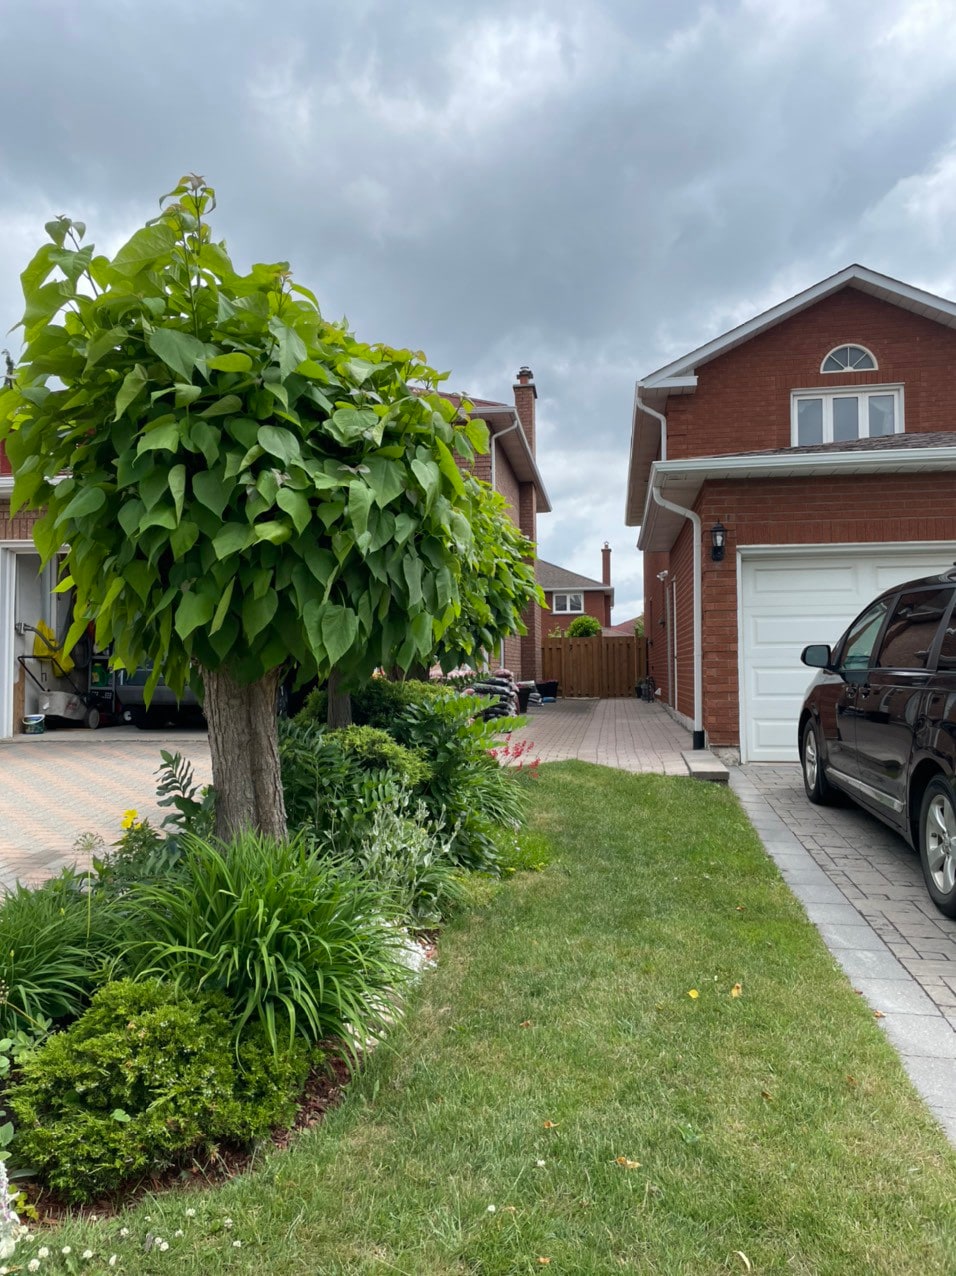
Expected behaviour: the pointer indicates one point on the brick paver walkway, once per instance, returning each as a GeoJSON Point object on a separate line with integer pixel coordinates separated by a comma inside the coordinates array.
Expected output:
{"type": "Point", "coordinates": [627, 734]}
{"type": "Point", "coordinates": [60, 786]}
{"type": "Point", "coordinates": [862, 886]}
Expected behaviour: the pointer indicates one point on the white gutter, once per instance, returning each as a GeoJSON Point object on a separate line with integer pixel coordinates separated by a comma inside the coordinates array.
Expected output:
{"type": "Point", "coordinates": [6, 484]}
{"type": "Point", "coordinates": [878, 461]}
{"type": "Point", "coordinates": [639, 403]}
{"type": "Point", "coordinates": [698, 740]}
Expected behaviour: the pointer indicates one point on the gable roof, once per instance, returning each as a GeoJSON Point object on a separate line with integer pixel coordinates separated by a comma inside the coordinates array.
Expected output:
{"type": "Point", "coordinates": [680, 376]}
{"type": "Point", "coordinates": [549, 576]}
{"type": "Point", "coordinates": [884, 287]}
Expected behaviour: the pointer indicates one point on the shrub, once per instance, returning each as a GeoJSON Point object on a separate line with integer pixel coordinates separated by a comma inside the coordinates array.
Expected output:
{"type": "Point", "coordinates": [583, 627]}
{"type": "Point", "coordinates": [328, 792]}
{"type": "Point", "coordinates": [143, 1080]}
{"type": "Point", "coordinates": [55, 943]}
{"type": "Point", "coordinates": [376, 703]}
{"type": "Point", "coordinates": [374, 749]}
{"type": "Point", "coordinates": [293, 943]}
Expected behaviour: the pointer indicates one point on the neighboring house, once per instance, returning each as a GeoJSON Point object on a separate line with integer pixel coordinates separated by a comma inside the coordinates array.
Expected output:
{"type": "Point", "coordinates": [511, 468]}
{"type": "Point", "coordinates": [568, 594]}
{"type": "Point", "coordinates": [817, 442]}
{"type": "Point", "coordinates": [26, 597]}
{"type": "Point", "coordinates": [624, 630]}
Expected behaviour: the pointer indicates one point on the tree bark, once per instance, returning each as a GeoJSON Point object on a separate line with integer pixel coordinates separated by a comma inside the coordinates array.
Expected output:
{"type": "Point", "coordinates": [244, 744]}
{"type": "Point", "coordinates": [339, 712]}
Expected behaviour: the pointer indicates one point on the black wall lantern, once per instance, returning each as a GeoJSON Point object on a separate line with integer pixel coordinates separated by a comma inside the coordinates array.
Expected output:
{"type": "Point", "coordinates": [718, 539]}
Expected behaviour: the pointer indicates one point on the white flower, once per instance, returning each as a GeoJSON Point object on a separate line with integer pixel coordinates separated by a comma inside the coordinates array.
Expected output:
{"type": "Point", "coordinates": [178, 1232]}
{"type": "Point", "coordinates": [227, 1223]}
{"type": "Point", "coordinates": [87, 1253]}
{"type": "Point", "coordinates": [43, 1252]}
{"type": "Point", "coordinates": [190, 1213]}
{"type": "Point", "coordinates": [492, 1208]}
{"type": "Point", "coordinates": [124, 1231]}
{"type": "Point", "coordinates": [237, 1244]}
{"type": "Point", "coordinates": [163, 1246]}
{"type": "Point", "coordinates": [67, 1249]}
{"type": "Point", "coordinates": [540, 1164]}
{"type": "Point", "coordinates": [33, 1265]}
{"type": "Point", "coordinates": [112, 1262]}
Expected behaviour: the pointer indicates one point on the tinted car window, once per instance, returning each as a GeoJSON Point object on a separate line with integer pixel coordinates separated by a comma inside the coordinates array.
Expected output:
{"type": "Point", "coordinates": [912, 628]}
{"type": "Point", "coordinates": [863, 634]}
{"type": "Point", "coordinates": [947, 648]}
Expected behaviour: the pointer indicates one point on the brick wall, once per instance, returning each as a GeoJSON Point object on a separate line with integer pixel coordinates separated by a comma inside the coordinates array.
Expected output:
{"type": "Point", "coordinates": [18, 528]}
{"type": "Point", "coordinates": [742, 400]}
{"type": "Point", "coordinates": [4, 463]}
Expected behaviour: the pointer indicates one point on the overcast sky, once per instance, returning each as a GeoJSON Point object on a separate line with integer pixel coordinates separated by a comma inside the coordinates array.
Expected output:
{"type": "Point", "coordinates": [589, 188]}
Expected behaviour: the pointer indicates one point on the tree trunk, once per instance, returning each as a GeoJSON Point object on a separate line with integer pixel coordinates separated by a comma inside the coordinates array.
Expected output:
{"type": "Point", "coordinates": [339, 703]}
{"type": "Point", "coordinates": [244, 743]}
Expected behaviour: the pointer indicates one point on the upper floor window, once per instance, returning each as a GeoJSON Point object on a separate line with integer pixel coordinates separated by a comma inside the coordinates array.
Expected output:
{"type": "Point", "coordinates": [840, 416]}
{"type": "Point", "coordinates": [568, 603]}
{"type": "Point", "coordinates": [848, 359]}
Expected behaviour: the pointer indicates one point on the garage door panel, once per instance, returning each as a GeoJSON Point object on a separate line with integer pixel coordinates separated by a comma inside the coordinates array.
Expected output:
{"type": "Point", "coordinates": [799, 596]}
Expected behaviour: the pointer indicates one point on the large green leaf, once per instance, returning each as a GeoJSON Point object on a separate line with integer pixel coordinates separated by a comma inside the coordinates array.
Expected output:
{"type": "Point", "coordinates": [86, 501]}
{"type": "Point", "coordinates": [165, 438]}
{"type": "Point", "coordinates": [194, 609]}
{"type": "Point", "coordinates": [296, 506]}
{"type": "Point", "coordinates": [148, 244]}
{"type": "Point", "coordinates": [291, 348]}
{"type": "Point", "coordinates": [257, 612]}
{"type": "Point", "coordinates": [178, 350]}
{"type": "Point", "coordinates": [279, 443]}
{"type": "Point", "coordinates": [133, 383]}
{"type": "Point", "coordinates": [233, 539]}
{"type": "Point", "coordinates": [177, 486]}
{"type": "Point", "coordinates": [212, 491]}
{"type": "Point", "coordinates": [235, 361]}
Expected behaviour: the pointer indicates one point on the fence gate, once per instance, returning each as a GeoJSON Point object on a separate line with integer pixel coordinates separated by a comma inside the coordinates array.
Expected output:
{"type": "Point", "coordinates": [598, 666]}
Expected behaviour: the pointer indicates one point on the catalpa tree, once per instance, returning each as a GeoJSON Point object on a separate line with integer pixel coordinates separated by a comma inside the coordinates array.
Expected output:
{"type": "Point", "coordinates": [243, 487]}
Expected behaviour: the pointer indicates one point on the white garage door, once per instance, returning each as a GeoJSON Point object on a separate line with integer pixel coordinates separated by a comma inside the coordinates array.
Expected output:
{"type": "Point", "coordinates": [792, 597]}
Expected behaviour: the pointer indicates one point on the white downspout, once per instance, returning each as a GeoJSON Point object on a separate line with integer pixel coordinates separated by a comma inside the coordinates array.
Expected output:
{"type": "Point", "coordinates": [698, 740]}
{"type": "Point", "coordinates": [494, 439]}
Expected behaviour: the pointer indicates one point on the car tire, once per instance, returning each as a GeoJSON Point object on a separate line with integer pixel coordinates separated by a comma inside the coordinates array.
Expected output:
{"type": "Point", "coordinates": [937, 844]}
{"type": "Point", "coordinates": [818, 788]}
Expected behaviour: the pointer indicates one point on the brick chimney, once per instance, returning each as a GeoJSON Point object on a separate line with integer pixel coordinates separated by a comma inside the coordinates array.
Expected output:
{"type": "Point", "coordinates": [606, 564]}
{"type": "Point", "coordinates": [525, 395]}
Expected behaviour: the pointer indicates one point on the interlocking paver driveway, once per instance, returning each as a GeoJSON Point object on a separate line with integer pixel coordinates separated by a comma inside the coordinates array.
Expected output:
{"type": "Point", "coordinates": [862, 886]}
{"type": "Point", "coordinates": [62, 785]}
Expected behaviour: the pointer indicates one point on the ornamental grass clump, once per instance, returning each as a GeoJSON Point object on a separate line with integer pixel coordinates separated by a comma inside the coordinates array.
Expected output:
{"type": "Point", "coordinates": [295, 943]}
{"type": "Point", "coordinates": [145, 1079]}
{"type": "Point", "coordinates": [55, 944]}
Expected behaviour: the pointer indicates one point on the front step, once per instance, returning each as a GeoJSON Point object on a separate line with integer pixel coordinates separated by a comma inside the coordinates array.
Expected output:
{"type": "Point", "coordinates": [703, 765]}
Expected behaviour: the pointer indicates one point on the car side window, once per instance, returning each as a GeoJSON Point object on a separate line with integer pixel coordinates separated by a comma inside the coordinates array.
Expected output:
{"type": "Point", "coordinates": [947, 647]}
{"type": "Point", "coordinates": [913, 627]}
{"type": "Point", "coordinates": [862, 636]}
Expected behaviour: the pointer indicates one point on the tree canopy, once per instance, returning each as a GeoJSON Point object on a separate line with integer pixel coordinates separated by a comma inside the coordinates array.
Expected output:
{"type": "Point", "coordinates": [247, 484]}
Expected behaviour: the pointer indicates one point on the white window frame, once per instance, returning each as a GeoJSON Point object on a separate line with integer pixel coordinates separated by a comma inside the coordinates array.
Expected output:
{"type": "Point", "coordinates": [851, 345]}
{"type": "Point", "coordinates": [829, 393]}
{"type": "Point", "coordinates": [567, 610]}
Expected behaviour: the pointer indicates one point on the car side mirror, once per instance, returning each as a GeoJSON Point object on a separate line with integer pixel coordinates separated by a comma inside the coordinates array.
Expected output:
{"type": "Point", "coordinates": [817, 656]}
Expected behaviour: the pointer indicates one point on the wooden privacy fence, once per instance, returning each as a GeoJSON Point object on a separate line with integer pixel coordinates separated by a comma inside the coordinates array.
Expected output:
{"type": "Point", "coordinates": [598, 666]}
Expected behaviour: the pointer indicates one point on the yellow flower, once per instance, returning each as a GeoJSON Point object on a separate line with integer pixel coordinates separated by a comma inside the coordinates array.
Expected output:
{"type": "Point", "coordinates": [129, 820]}
{"type": "Point", "coordinates": [694, 994]}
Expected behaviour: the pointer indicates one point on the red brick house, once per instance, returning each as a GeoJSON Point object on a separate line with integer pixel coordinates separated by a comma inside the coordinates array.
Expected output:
{"type": "Point", "coordinates": [568, 594]}
{"type": "Point", "coordinates": [510, 466]}
{"type": "Point", "coordinates": [782, 475]}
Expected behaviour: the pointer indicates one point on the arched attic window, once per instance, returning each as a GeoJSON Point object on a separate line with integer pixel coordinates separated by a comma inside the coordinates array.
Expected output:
{"type": "Point", "coordinates": [849, 359]}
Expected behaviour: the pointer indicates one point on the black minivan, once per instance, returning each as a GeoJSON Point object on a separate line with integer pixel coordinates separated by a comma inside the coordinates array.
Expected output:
{"type": "Point", "coordinates": [878, 723]}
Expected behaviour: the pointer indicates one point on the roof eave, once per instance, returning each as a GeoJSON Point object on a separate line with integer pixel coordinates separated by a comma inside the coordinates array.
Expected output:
{"type": "Point", "coordinates": [684, 479]}
{"type": "Point", "coordinates": [515, 445]}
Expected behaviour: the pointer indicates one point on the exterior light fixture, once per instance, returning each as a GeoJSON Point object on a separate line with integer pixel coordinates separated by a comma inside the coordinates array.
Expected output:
{"type": "Point", "coordinates": [718, 540]}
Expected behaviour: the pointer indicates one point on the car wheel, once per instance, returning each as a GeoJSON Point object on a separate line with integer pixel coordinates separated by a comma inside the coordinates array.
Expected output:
{"type": "Point", "coordinates": [819, 789]}
{"type": "Point", "coordinates": [937, 844]}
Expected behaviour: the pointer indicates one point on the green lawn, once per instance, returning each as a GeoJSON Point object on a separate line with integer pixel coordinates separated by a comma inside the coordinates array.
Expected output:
{"type": "Point", "coordinates": [558, 1035]}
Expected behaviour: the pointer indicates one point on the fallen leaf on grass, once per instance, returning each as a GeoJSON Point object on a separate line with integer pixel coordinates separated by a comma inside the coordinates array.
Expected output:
{"type": "Point", "coordinates": [525, 1023]}
{"type": "Point", "coordinates": [765, 1094]}
{"type": "Point", "coordinates": [741, 908]}
{"type": "Point", "coordinates": [549, 1125]}
{"type": "Point", "coordinates": [693, 994]}
{"type": "Point", "coordinates": [851, 1080]}
{"type": "Point", "coordinates": [544, 1261]}
{"type": "Point", "coordinates": [745, 1261]}
{"type": "Point", "coordinates": [628, 1165]}
{"type": "Point", "coordinates": [736, 990]}
{"type": "Point", "coordinates": [878, 1014]}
